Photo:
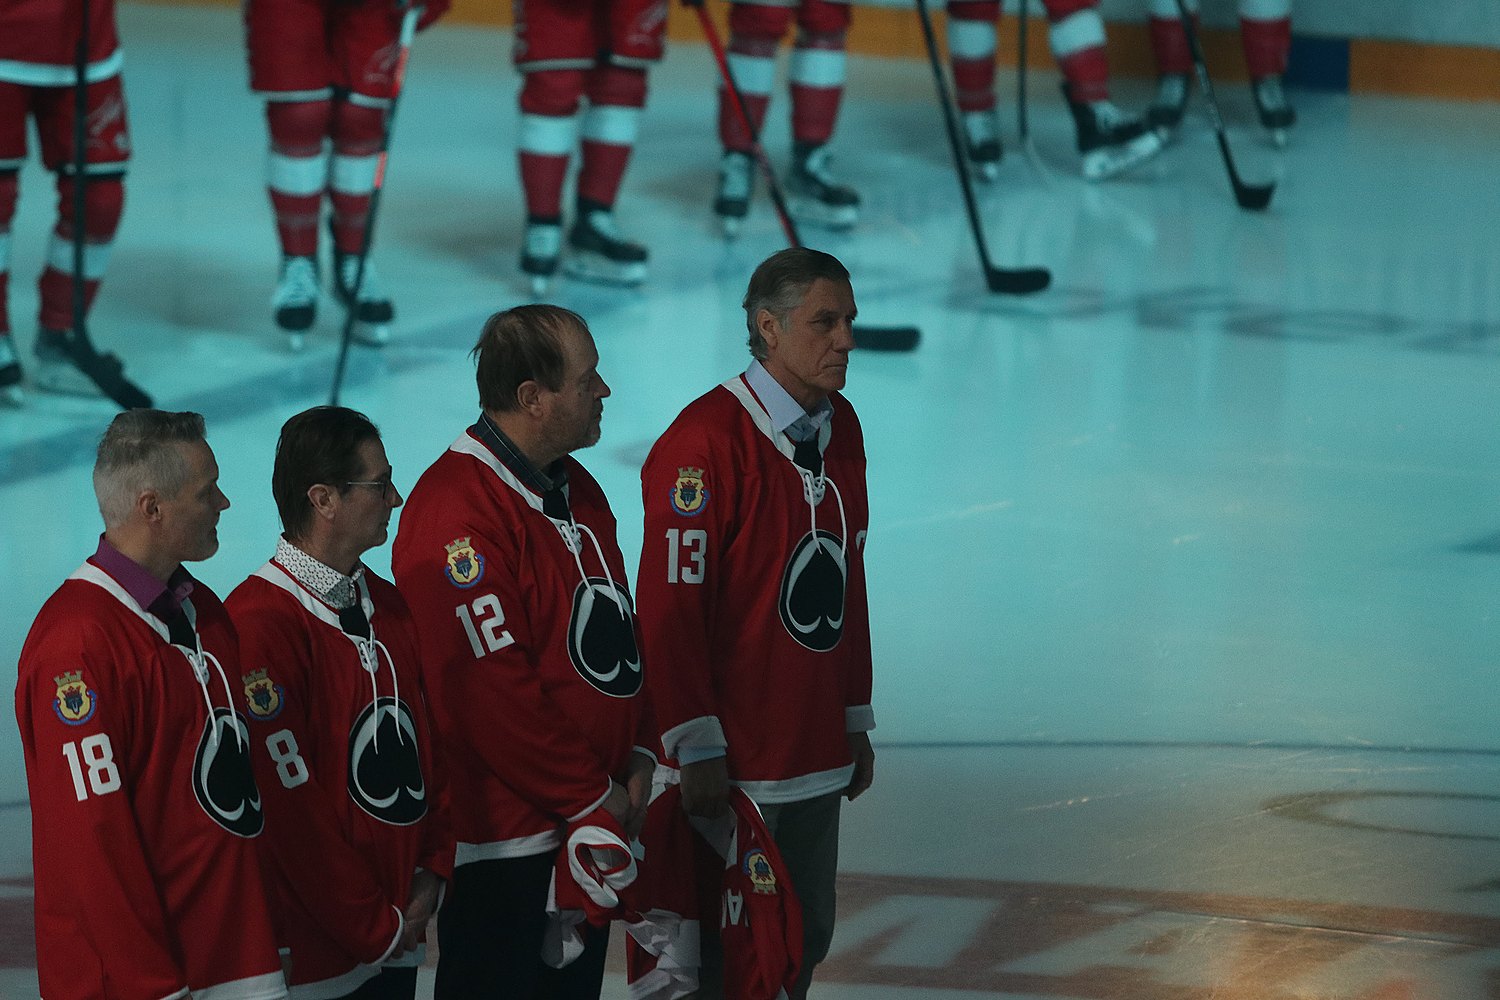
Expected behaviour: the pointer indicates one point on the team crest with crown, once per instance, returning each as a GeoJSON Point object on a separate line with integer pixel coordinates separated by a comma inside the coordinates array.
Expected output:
{"type": "Point", "coordinates": [263, 696]}
{"type": "Point", "coordinates": [465, 566]}
{"type": "Point", "coordinates": [689, 495]}
{"type": "Point", "coordinates": [762, 876]}
{"type": "Point", "coordinates": [75, 703]}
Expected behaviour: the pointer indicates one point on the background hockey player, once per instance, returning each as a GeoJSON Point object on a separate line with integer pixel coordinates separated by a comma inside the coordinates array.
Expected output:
{"type": "Point", "coordinates": [358, 842]}
{"type": "Point", "coordinates": [38, 43]}
{"type": "Point", "coordinates": [816, 81]}
{"type": "Point", "coordinates": [589, 54]}
{"type": "Point", "coordinates": [1266, 36]}
{"type": "Point", "coordinates": [325, 69]}
{"type": "Point", "coordinates": [752, 583]}
{"type": "Point", "coordinates": [1109, 141]}
{"type": "Point", "coordinates": [507, 554]}
{"type": "Point", "coordinates": [144, 809]}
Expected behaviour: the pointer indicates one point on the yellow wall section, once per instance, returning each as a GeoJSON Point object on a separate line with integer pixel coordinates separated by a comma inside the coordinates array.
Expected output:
{"type": "Point", "coordinates": [1449, 72]}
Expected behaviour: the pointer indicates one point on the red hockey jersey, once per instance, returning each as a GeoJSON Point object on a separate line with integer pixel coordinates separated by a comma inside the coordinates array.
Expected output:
{"type": "Point", "coordinates": [39, 39]}
{"type": "Point", "coordinates": [752, 596]}
{"type": "Point", "coordinates": [528, 630]}
{"type": "Point", "coordinates": [144, 808]}
{"type": "Point", "coordinates": [342, 747]}
{"type": "Point", "coordinates": [693, 869]}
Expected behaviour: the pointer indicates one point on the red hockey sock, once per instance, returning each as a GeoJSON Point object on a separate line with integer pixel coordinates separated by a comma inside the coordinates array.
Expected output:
{"type": "Point", "coordinates": [1077, 38]}
{"type": "Point", "coordinates": [971, 51]}
{"type": "Point", "coordinates": [1169, 43]}
{"type": "Point", "coordinates": [357, 132]}
{"type": "Point", "coordinates": [549, 131]}
{"type": "Point", "coordinates": [9, 185]}
{"type": "Point", "coordinates": [616, 96]}
{"type": "Point", "coordinates": [104, 200]}
{"type": "Point", "coordinates": [752, 61]}
{"type": "Point", "coordinates": [817, 85]}
{"type": "Point", "coordinates": [1266, 44]}
{"type": "Point", "coordinates": [298, 171]}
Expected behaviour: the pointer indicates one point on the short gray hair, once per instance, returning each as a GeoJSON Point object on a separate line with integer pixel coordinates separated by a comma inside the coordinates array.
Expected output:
{"type": "Point", "coordinates": [138, 453]}
{"type": "Point", "coordinates": [779, 284]}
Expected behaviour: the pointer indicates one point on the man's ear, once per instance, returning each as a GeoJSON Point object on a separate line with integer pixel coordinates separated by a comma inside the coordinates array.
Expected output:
{"type": "Point", "coordinates": [322, 498]}
{"type": "Point", "coordinates": [769, 328]}
{"type": "Point", "coordinates": [148, 505]}
{"type": "Point", "coordinates": [529, 394]}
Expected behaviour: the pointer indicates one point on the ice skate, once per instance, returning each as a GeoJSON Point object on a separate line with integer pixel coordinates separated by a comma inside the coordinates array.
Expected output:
{"type": "Point", "coordinates": [982, 143]}
{"type": "Point", "coordinates": [1276, 115]}
{"type": "Point", "coordinates": [540, 251]}
{"type": "Point", "coordinates": [295, 300]}
{"type": "Point", "coordinates": [597, 252]}
{"type": "Point", "coordinates": [11, 393]}
{"type": "Point", "coordinates": [736, 183]}
{"type": "Point", "coordinates": [373, 312]}
{"type": "Point", "coordinates": [1110, 141]}
{"type": "Point", "coordinates": [813, 196]}
{"type": "Point", "coordinates": [68, 364]}
{"type": "Point", "coordinates": [1169, 104]}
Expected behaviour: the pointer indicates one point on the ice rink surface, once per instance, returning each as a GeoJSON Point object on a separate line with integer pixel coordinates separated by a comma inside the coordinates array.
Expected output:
{"type": "Point", "coordinates": [1185, 573]}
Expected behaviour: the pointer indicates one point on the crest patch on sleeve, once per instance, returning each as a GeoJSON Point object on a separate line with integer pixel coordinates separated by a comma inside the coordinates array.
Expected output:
{"type": "Point", "coordinates": [75, 702]}
{"type": "Point", "coordinates": [263, 696]}
{"type": "Point", "coordinates": [689, 495]}
{"type": "Point", "coordinates": [465, 566]}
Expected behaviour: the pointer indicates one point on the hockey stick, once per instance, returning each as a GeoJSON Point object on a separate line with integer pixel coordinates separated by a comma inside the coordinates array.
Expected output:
{"type": "Point", "coordinates": [1253, 197]}
{"type": "Point", "coordinates": [869, 338]}
{"type": "Point", "coordinates": [398, 80]}
{"type": "Point", "coordinates": [104, 370]}
{"type": "Point", "coordinates": [1023, 124]}
{"type": "Point", "coordinates": [1007, 281]}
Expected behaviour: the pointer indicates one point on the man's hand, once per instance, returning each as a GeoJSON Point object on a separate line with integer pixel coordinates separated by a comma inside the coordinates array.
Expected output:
{"type": "Point", "coordinates": [637, 781]}
{"type": "Point", "coordinates": [420, 907]}
{"type": "Point", "coordinates": [864, 765]}
{"type": "Point", "coordinates": [705, 787]}
{"type": "Point", "coordinates": [618, 804]}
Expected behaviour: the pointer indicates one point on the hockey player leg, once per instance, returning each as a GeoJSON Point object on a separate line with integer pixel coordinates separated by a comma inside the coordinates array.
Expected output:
{"type": "Point", "coordinates": [11, 392]}
{"type": "Point", "coordinates": [549, 130]}
{"type": "Point", "coordinates": [1109, 141]}
{"type": "Point", "coordinates": [297, 171]}
{"type": "Point", "coordinates": [358, 130]}
{"type": "Point", "coordinates": [597, 251]}
{"type": "Point", "coordinates": [1174, 66]}
{"type": "Point", "coordinates": [817, 74]}
{"type": "Point", "coordinates": [1266, 34]}
{"type": "Point", "coordinates": [755, 31]}
{"type": "Point", "coordinates": [971, 51]}
{"type": "Point", "coordinates": [57, 347]}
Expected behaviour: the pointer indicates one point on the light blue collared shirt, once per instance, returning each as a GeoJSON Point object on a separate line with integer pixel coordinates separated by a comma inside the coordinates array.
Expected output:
{"type": "Point", "coordinates": [787, 415]}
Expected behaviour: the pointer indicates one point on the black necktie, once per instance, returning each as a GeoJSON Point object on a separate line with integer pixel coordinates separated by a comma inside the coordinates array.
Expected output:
{"type": "Point", "coordinates": [806, 455]}
{"type": "Point", "coordinates": [354, 621]}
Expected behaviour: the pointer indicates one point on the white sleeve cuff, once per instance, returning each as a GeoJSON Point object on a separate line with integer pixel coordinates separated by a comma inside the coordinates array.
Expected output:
{"type": "Point", "coordinates": [595, 805]}
{"type": "Point", "coordinates": [704, 731]}
{"type": "Point", "coordinates": [395, 941]}
{"type": "Point", "coordinates": [859, 718]}
{"type": "Point", "coordinates": [647, 751]}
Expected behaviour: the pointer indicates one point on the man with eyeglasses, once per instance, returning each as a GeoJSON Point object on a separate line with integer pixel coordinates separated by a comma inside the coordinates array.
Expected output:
{"type": "Point", "coordinates": [358, 844]}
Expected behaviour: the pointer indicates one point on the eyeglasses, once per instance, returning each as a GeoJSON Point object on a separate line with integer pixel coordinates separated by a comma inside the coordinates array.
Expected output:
{"type": "Point", "coordinates": [385, 485]}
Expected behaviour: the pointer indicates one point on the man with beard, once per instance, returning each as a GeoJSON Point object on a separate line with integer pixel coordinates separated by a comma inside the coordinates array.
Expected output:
{"type": "Point", "coordinates": [358, 849]}
{"type": "Point", "coordinates": [507, 554]}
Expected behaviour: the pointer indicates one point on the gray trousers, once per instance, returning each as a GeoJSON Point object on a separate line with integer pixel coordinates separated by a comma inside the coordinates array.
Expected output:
{"type": "Point", "coordinates": [807, 835]}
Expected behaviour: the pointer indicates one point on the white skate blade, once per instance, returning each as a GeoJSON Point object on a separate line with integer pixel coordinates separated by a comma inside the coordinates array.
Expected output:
{"type": "Point", "coordinates": [587, 266]}
{"type": "Point", "coordinates": [371, 334]}
{"type": "Point", "coordinates": [1279, 138]}
{"type": "Point", "coordinates": [13, 395]}
{"type": "Point", "coordinates": [731, 225]}
{"type": "Point", "coordinates": [1111, 161]}
{"type": "Point", "coordinates": [295, 341]}
{"type": "Point", "coordinates": [987, 172]}
{"type": "Point", "coordinates": [815, 213]}
{"type": "Point", "coordinates": [539, 283]}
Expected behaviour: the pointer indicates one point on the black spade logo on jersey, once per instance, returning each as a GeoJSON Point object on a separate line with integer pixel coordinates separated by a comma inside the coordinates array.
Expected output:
{"type": "Point", "coordinates": [385, 774]}
{"type": "Point", "coordinates": [222, 779]}
{"type": "Point", "coordinates": [601, 640]}
{"type": "Point", "coordinates": [812, 591]}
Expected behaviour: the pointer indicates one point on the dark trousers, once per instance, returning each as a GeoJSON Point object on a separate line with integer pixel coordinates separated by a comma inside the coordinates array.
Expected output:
{"type": "Point", "coordinates": [391, 984]}
{"type": "Point", "coordinates": [490, 933]}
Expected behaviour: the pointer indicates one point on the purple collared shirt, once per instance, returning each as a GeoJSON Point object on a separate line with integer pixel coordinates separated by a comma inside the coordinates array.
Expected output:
{"type": "Point", "coordinates": [164, 600]}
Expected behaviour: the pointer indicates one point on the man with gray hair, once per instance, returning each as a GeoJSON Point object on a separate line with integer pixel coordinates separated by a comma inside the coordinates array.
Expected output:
{"type": "Point", "coordinates": [752, 587]}
{"type": "Point", "coordinates": [144, 808]}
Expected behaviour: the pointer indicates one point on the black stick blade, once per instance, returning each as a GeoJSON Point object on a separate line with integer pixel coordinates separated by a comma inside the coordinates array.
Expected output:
{"type": "Point", "coordinates": [1253, 197]}
{"type": "Point", "coordinates": [1017, 281]}
{"type": "Point", "coordinates": [886, 338]}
